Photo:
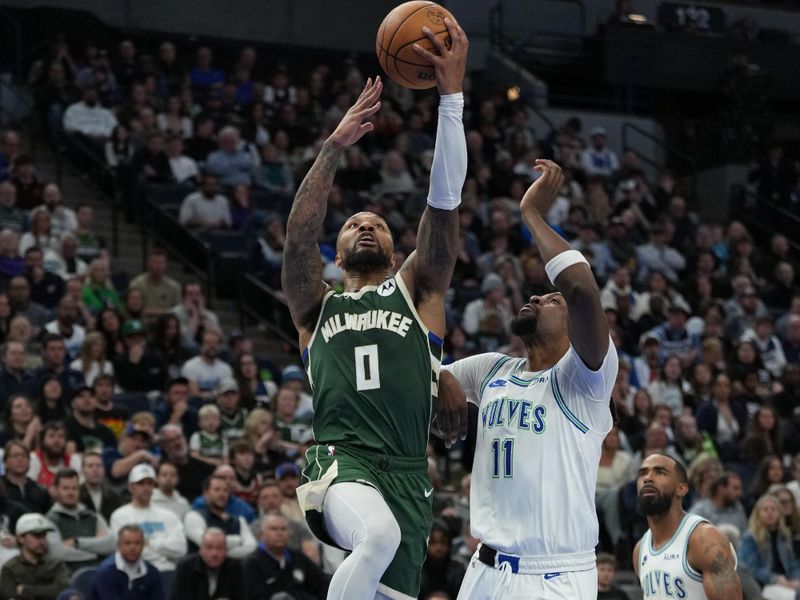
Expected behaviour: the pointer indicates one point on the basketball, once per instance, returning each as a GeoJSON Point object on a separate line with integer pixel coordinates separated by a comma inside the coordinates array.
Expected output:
{"type": "Point", "coordinates": [398, 33]}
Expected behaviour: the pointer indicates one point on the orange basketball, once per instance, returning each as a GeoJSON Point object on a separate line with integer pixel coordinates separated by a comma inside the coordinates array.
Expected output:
{"type": "Point", "coordinates": [398, 33]}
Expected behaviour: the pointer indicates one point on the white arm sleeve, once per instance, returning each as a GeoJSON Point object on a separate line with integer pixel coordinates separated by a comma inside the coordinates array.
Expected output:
{"type": "Point", "coordinates": [472, 371]}
{"type": "Point", "coordinates": [449, 168]}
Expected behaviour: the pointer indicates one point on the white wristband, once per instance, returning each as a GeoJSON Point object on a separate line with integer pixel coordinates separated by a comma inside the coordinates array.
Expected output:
{"type": "Point", "coordinates": [563, 261]}
{"type": "Point", "coordinates": [449, 168]}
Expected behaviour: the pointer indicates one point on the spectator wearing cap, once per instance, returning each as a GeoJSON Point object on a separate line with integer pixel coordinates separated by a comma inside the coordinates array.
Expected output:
{"type": "Point", "coordinates": [81, 536]}
{"type": "Point", "coordinates": [206, 208]}
{"type": "Point", "coordinates": [232, 415]}
{"type": "Point", "coordinates": [674, 338]}
{"type": "Point", "coordinates": [235, 506]}
{"type": "Point", "coordinates": [294, 378]}
{"type": "Point", "coordinates": [599, 159]}
{"type": "Point", "coordinates": [160, 291]}
{"type": "Point", "coordinates": [239, 539]}
{"type": "Point", "coordinates": [126, 574]}
{"type": "Point", "coordinates": [288, 477]}
{"type": "Point", "coordinates": [139, 369]}
{"type": "Point", "coordinates": [494, 300]}
{"type": "Point", "coordinates": [211, 573]}
{"type": "Point", "coordinates": [133, 449]}
{"type": "Point", "coordinates": [33, 574]}
{"type": "Point", "coordinates": [95, 492]}
{"type": "Point", "coordinates": [51, 454]}
{"type": "Point", "coordinates": [165, 541]}
{"type": "Point", "coordinates": [16, 483]}
{"type": "Point", "coordinates": [206, 371]}
{"type": "Point", "coordinates": [658, 255]}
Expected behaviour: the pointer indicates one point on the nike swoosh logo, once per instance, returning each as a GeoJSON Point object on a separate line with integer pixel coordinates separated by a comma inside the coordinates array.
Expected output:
{"type": "Point", "coordinates": [428, 493]}
{"type": "Point", "coordinates": [551, 575]}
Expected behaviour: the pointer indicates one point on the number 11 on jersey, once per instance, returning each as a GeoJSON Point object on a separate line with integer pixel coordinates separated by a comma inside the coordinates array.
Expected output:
{"type": "Point", "coordinates": [506, 462]}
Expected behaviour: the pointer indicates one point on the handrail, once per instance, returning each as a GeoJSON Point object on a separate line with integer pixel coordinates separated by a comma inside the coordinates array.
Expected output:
{"type": "Point", "coordinates": [111, 195]}
{"type": "Point", "coordinates": [627, 125]}
{"type": "Point", "coordinates": [747, 203]}
{"type": "Point", "coordinates": [270, 308]}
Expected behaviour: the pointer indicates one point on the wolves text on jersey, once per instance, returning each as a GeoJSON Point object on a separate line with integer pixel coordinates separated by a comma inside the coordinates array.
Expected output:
{"type": "Point", "coordinates": [513, 412]}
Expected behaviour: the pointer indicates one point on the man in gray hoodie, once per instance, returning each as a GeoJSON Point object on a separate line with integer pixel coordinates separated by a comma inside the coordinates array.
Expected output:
{"type": "Point", "coordinates": [81, 537]}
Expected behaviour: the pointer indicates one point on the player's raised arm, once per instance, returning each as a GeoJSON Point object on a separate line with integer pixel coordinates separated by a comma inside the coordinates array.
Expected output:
{"type": "Point", "coordinates": [301, 275]}
{"type": "Point", "coordinates": [710, 554]}
{"type": "Point", "coordinates": [567, 269]}
{"type": "Point", "coordinates": [427, 272]}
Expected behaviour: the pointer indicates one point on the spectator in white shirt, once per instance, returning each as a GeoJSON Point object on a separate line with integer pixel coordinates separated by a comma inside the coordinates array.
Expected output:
{"type": "Point", "coordinates": [207, 371]}
{"type": "Point", "coordinates": [90, 119]}
{"type": "Point", "coordinates": [166, 495]}
{"type": "Point", "coordinates": [65, 325]}
{"type": "Point", "coordinates": [62, 219]}
{"type": "Point", "coordinates": [599, 159]}
{"type": "Point", "coordinates": [206, 209]}
{"type": "Point", "coordinates": [656, 255]}
{"type": "Point", "coordinates": [165, 541]}
{"type": "Point", "coordinates": [183, 168]}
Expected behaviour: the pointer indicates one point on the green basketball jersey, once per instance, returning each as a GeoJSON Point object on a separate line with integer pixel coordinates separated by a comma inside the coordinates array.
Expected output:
{"type": "Point", "coordinates": [373, 367]}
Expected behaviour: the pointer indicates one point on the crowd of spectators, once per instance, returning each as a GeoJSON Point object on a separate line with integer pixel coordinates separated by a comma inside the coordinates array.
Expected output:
{"type": "Point", "coordinates": [140, 429]}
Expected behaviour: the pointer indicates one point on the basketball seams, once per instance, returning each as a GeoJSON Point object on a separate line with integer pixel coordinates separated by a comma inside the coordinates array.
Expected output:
{"type": "Point", "coordinates": [400, 24]}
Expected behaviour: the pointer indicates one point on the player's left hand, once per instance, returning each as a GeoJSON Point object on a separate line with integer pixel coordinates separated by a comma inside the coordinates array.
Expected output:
{"type": "Point", "coordinates": [543, 192]}
{"type": "Point", "coordinates": [450, 63]}
{"type": "Point", "coordinates": [451, 411]}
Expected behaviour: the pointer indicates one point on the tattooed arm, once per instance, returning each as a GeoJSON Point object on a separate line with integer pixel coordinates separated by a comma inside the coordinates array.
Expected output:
{"type": "Point", "coordinates": [301, 275]}
{"type": "Point", "coordinates": [710, 553]}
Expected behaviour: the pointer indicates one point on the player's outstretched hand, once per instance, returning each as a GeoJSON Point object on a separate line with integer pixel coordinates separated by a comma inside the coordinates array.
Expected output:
{"type": "Point", "coordinates": [543, 192]}
{"type": "Point", "coordinates": [449, 63]}
{"type": "Point", "coordinates": [451, 411]}
{"type": "Point", "coordinates": [353, 125]}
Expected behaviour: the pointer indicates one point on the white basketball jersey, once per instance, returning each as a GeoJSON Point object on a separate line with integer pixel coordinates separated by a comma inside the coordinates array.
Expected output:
{"type": "Point", "coordinates": [665, 573]}
{"type": "Point", "coordinates": [538, 449]}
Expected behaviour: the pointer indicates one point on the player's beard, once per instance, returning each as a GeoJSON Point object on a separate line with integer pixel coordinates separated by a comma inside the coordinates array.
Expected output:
{"type": "Point", "coordinates": [651, 506]}
{"type": "Point", "coordinates": [524, 325]}
{"type": "Point", "coordinates": [366, 260]}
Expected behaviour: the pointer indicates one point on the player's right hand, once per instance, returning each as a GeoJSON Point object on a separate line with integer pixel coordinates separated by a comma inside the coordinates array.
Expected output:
{"type": "Point", "coordinates": [543, 192]}
{"type": "Point", "coordinates": [451, 418]}
{"type": "Point", "coordinates": [352, 126]}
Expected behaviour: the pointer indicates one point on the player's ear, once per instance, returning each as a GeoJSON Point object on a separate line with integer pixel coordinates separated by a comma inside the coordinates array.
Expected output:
{"type": "Point", "coordinates": [682, 490]}
{"type": "Point", "coordinates": [338, 260]}
{"type": "Point", "coordinates": [393, 262]}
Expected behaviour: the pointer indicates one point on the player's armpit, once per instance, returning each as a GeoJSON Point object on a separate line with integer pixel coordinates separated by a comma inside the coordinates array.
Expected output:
{"type": "Point", "coordinates": [710, 553]}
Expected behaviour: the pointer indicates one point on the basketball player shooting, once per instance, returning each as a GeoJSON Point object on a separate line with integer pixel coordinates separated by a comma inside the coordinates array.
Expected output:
{"type": "Point", "coordinates": [373, 352]}
{"type": "Point", "coordinates": [541, 424]}
{"type": "Point", "coordinates": [681, 555]}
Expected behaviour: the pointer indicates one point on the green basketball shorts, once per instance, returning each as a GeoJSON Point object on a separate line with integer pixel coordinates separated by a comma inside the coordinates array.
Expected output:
{"type": "Point", "coordinates": [406, 488]}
